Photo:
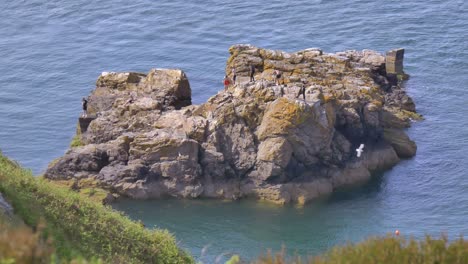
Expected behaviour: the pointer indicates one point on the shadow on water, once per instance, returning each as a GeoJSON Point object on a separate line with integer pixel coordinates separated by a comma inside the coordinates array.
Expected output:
{"type": "Point", "coordinates": [370, 189]}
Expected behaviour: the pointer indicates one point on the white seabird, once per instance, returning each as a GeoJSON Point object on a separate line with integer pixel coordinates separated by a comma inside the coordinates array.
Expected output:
{"type": "Point", "coordinates": [360, 150]}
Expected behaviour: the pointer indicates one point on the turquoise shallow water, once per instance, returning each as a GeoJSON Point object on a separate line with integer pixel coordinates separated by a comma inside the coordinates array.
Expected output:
{"type": "Point", "coordinates": [52, 52]}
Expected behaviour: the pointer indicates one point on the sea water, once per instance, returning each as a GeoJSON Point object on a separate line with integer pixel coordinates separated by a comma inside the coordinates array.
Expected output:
{"type": "Point", "coordinates": [51, 53]}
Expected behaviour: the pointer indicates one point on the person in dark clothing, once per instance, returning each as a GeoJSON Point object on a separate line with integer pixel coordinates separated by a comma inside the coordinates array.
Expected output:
{"type": "Point", "coordinates": [84, 104]}
{"type": "Point", "coordinates": [252, 72]}
{"type": "Point", "coordinates": [234, 75]}
{"type": "Point", "coordinates": [302, 90]}
{"type": "Point", "coordinates": [277, 77]}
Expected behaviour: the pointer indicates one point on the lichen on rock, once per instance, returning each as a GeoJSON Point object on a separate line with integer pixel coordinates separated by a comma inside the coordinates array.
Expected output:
{"type": "Point", "coordinates": [253, 139]}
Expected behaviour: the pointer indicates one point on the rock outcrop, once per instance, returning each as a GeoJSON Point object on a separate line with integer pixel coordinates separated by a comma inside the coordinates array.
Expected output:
{"type": "Point", "coordinates": [253, 139]}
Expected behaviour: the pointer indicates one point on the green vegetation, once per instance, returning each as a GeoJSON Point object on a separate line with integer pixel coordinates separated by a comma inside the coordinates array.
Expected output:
{"type": "Point", "coordinates": [21, 245]}
{"type": "Point", "coordinates": [76, 141]}
{"type": "Point", "coordinates": [389, 250]}
{"type": "Point", "coordinates": [89, 188]}
{"type": "Point", "coordinates": [80, 227]}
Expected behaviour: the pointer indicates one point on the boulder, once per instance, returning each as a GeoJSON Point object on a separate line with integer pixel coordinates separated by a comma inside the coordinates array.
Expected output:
{"type": "Point", "coordinates": [403, 145]}
{"type": "Point", "coordinates": [170, 86]}
{"type": "Point", "coordinates": [276, 150]}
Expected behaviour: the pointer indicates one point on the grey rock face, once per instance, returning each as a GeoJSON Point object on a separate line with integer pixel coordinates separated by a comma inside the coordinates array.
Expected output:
{"type": "Point", "coordinates": [284, 143]}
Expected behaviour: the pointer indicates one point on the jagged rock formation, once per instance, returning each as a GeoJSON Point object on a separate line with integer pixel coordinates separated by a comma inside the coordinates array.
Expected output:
{"type": "Point", "coordinates": [254, 139]}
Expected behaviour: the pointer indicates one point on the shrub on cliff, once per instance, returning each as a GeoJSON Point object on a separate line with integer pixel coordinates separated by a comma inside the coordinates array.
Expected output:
{"type": "Point", "coordinates": [22, 245]}
{"type": "Point", "coordinates": [385, 250]}
{"type": "Point", "coordinates": [80, 227]}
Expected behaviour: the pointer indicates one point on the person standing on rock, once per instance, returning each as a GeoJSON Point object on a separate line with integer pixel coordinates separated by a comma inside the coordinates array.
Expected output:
{"type": "Point", "coordinates": [252, 72]}
{"type": "Point", "coordinates": [302, 90]}
{"type": "Point", "coordinates": [277, 77]}
{"type": "Point", "coordinates": [234, 75]}
{"type": "Point", "coordinates": [84, 104]}
{"type": "Point", "coordinates": [226, 82]}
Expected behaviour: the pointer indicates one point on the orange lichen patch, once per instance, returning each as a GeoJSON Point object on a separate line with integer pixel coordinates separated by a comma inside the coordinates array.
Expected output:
{"type": "Point", "coordinates": [328, 97]}
{"type": "Point", "coordinates": [281, 116]}
{"type": "Point", "coordinates": [271, 195]}
{"type": "Point", "coordinates": [377, 103]}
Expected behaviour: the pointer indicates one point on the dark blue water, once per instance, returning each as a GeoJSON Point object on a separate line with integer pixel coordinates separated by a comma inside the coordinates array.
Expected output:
{"type": "Point", "coordinates": [51, 53]}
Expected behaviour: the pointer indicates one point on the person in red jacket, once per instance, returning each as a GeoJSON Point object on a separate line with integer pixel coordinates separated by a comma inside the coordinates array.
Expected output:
{"type": "Point", "coordinates": [226, 82]}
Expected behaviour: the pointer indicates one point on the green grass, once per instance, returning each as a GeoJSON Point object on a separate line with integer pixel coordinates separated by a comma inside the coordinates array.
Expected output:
{"type": "Point", "coordinates": [20, 244]}
{"type": "Point", "coordinates": [83, 228]}
{"type": "Point", "coordinates": [385, 250]}
{"type": "Point", "coordinates": [76, 141]}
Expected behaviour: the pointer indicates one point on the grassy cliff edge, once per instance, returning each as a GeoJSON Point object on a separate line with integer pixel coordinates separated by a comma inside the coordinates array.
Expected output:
{"type": "Point", "coordinates": [82, 228]}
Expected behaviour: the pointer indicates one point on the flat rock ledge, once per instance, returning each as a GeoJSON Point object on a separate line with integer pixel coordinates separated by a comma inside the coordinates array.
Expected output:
{"type": "Point", "coordinates": [144, 139]}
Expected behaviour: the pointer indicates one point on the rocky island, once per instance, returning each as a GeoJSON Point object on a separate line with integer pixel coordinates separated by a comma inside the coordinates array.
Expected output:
{"type": "Point", "coordinates": [144, 139]}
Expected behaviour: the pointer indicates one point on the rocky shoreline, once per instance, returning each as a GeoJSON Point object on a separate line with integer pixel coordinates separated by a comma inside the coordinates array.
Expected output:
{"type": "Point", "coordinates": [144, 139]}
